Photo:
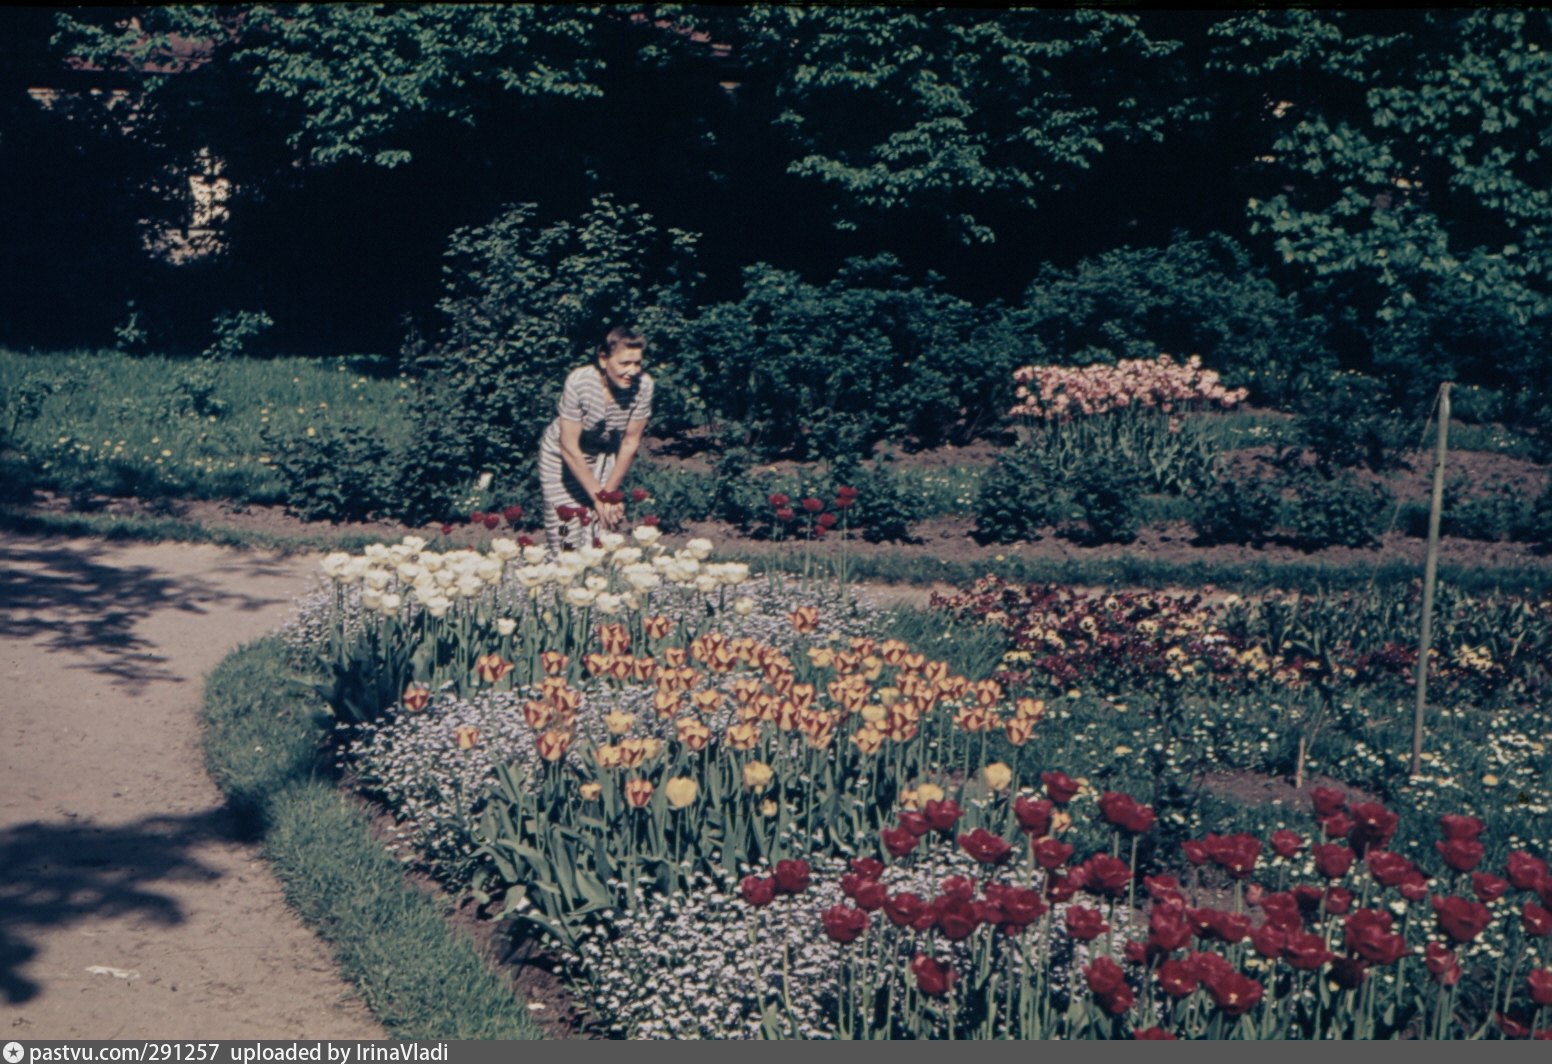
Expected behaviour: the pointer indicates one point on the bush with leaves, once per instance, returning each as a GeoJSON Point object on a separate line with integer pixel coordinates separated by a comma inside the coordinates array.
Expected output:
{"type": "Point", "coordinates": [336, 473]}
{"type": "Point", "coordinates": [1021, 495]}
{"type": "Point", "coordinates": [1236, 509]}
{"type": "Point", "coordinates": [1337, 510]}
{"type": "Point", "coordinates": [1107, 495]}
{"type": "Point", "coordinates": [806, 371]}
{"type": "Point", "coordinates": [1349, 423]}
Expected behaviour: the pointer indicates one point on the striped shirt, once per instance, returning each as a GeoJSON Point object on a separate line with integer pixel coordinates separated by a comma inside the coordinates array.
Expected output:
{"type": "Point", "coordinates": [602, 411]}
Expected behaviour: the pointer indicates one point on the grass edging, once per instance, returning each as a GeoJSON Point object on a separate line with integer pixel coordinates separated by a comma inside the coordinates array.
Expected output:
{"type": "Point", "coordinates": [263, 746]}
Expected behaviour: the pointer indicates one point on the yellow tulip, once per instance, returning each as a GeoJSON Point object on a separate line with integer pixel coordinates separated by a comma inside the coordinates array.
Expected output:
{"type": "Point", "coordinates": [999, 777]}
{"type": "Point", "coordinates": [680, 792]}
{"type": "Point", "coordinates": [757, 775]}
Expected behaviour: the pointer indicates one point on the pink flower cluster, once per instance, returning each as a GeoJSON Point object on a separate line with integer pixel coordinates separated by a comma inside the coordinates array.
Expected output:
{"type": "Point", "coordinates": [1061, 392]}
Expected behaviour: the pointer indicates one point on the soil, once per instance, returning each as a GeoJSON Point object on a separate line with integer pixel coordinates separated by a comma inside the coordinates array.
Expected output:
{"type": "Point", "coordinates": [128, 906]}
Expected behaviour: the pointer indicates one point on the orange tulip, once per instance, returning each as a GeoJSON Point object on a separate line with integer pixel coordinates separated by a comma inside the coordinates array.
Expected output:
{"type": "Point", "coordinates": [416, 697]}
{"type": "Point", "coordinates": [554, 744]}
{"type": "Point", "coordinates": [743, 736]}
{"type": "Point", "coordinates": [868, 739]}
{"type": "Point", "coordinates": [613, 638]}
{"type": "Point", "coordinates": [1019, 730]}
{"type": "Point", "coordinates": [538, 714]}
{"type": "Point", "coordinates": [553, 662]}
{"type": "Point", "coordinates": [692, 733]}
{"type": "Point", "coordinates": [491, 667]}
{"type": "Point", "coordinates": [590, 791]}
{"type": "Point", "coordinates": [597, 663]}
{"type": "Point", "coordinates": [638, 792]}
{"type": "Point", "coordinates": [805, 619]}
{"type": "Point", "coordinates": [608, 756]}
{"type": "Point", "coordinates": [667, 703]}
{"type": "Point", "coordinates": [706, 701]}
{"type": "Point", "coordinates": [643, 669]}
{"type": "Point", "coordinates": [468, 736]}
{"type": "Point", "coordinates": [674, 656]}
{"type": "Point", "coordinates": [657, 626]}
{"type": "Point", "coordinates": [1031, 709]}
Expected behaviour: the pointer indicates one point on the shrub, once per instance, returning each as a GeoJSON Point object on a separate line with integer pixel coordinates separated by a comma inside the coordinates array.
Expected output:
{"type": "Point", "coordinates": [339, 473]}
{"type": "Point", "coordinates": [1107, 494]}
{"type": "Point", "coordinates": [1350, 423]}
{"type": "Point", "coordinates": [1338, 511]}
{"type": "Point", "coordinates": [1538, 528]}
{"type": "Point", "coordinates": [1020, 495]}
{"type": "Point", "coordinates": [1236, 509]}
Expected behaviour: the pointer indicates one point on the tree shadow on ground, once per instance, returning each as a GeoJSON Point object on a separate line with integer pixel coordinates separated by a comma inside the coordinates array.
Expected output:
{"type": "Point", "coordinates": [59, 874]}
{"type": "Point", "coordinates": [72, 600]}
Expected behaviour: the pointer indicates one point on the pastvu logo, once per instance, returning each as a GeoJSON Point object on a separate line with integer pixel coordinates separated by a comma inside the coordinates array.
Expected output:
{"type": "Point", "coordinates": [14, 1052]}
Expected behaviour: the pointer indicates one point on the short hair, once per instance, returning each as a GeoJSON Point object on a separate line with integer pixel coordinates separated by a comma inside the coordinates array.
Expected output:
{"type": "Point", "coordinates": [618, 337]}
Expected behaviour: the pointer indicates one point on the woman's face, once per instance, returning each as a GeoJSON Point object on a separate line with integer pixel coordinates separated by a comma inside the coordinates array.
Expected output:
{"type": "Point", "coordinates": [622, 366]}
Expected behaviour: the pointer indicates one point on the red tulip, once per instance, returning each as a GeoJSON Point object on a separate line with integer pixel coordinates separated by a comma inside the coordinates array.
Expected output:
{"type": "Point", "coordinates": [827, 520]}
{"type": "Point", "coordinates": [1059, 787]}
{"type": "Point", "coordinates": [1337, 900]}
{"type": "Point", "coordinates": [1525, 872]}
{"type": "Point", "coordinates": [1337, 826]}
{"type": "Point", "coordinates": [846, 492]}
{"type": "Point", "coordinates": [1103, 874]}
{"type": "Point", "coordinates": [1461, 919]}
{"type": "Point", "coordinates": [1462, 855]}
{"type": "Point", "coordinates": [1286, 843]}
{"type": "Point", "coordinates": [870, 896]}
{"type": "Point", "coordinates": [1051, 854]}
{"type": "Point", "coordinates": [812, 505]}
{"type": "Point", "coordinates": [898, 841]}
{"type": "Point", "coordinates": [1369, 935]}
{"type": "Point", "coordinates": [1060, 887]}
{"type": "Point", "coordinates": [1083, 923]}
{"type": "Point", "coordinates": [867, 867]}
{"type": "Point", "coordinates": [1306, 952]}
{"type": "Point", "coordinates": [1466, 828]}
{"type": "Point", "coordinates": [1282, 911]}
{"type": "Point", "coordinates": [1034, 817]}
{"type": "Point", "coordinates": [785, 513]}
{"type": "Point", "coordinates": [1349, 972]}
{"type": "Point", "coordinates": [904, 909]}
{"type": "Point", "coordinates": [985, 847]}
{"type": "Point", "coordinates": [1327, 801]}
{"type": "Point", "coordinates": [525, 541]}
{"type": "Point", "coordinates": [1153, 1034]}
{"type": "Point", "coordinates": [477, 517]}
{"type": "Point", "coordinates": [640, 495]}
{"type": "Point", "coordinates": [1375, 826]}
{"type": "Point", "coordinates": [792, 876]}
{"type": "Point", "coordinates": [1104, 975]}
{"type": "Point", "coordinates": [778, 500]}
{"type": "Point", "coordinates": [651, 520]}
{"type": "Point", "coordinates": [915, 823]}
{"type": "Point", "coordinates": [1176, 979]}
{"type": "Point", "coordinates": [1125, 812]}
{"type": "Point", "coordinates": [957, 918]}
{"type": "Point", "coordinates": [1536, 920]}
{"type": "Point", "coordinates": [1235, 854]}
{"type": "Point", "coordinates": [513, 514]}
{"type": "Point", "coordinates": [447, 529]}
{"type": "Point", "coordinates": [1540, 984]}
{"type": "Point", "coordinates": [933, 978]}
{"type": "Point", "coordinates": [942, 816]}
{"type": "Point", "coordinates": [1387, 868]}
{"type": "Point", "coordinates": [1413, 886]}
{"type": "Point", "coordinates": [758, 891]}
{"type": "Point", "coordinates": [1488, 887]}
{"type": "Point", "coordinates": [843, 923]}
{"type": "Point", "coordinates": [1234, 993]}
{"type": "Point", "coordinates": [1332, 859]}
{"type": "Point", "coordinates": [1442, 964]}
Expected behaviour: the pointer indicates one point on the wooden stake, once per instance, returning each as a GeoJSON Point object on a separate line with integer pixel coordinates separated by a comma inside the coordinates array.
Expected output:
{"type": "Point", "coordinates": [1430, 577]}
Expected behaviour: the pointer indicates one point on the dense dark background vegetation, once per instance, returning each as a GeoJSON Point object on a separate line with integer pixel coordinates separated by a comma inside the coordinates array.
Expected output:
{"type": "Point", "coordinates": [840, 224]}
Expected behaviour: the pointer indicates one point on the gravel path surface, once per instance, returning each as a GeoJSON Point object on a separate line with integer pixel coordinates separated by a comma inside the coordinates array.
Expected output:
{"type": "Point", "coordinates": [127, 908]}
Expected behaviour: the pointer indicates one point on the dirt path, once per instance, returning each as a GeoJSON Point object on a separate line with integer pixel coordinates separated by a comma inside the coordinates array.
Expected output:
{"type": "Point", "coordinates": [126, 907]}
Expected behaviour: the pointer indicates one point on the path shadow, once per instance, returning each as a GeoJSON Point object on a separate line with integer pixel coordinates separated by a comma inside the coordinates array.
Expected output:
{"type": "Point", "coordinates": [76, 601]}
{"type": "Point", "coordinates": [59, 874]}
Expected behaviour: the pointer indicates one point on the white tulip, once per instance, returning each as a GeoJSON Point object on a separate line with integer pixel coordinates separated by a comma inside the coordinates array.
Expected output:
{"type": "Point", "coordinates": [706, 583]}
{"type": "Point", "coordinates": [627, 556]}
{"type": "Point", "coordinates": [390, 605]}
{"type": "Point", "coordinates": [432, 561]}
{"type": "Point", "coordinates": [505, 548]}
{"type": "Point", "coordinates": [700, 548]}
{"type": "Point", "coordinates": [580, 596]}
{"type": "Point", "coordinates": [743, 605]}
{"type": "Point", "coordinates": [489, 571]}
{"type": "Point", "coordinates": [631, 601]}
{"type": "Point", "coordinates": [470, 586]}
{"type": "Point", "coordinates": [371, 600]}
{"type": "Point", "coordinates": [535, 554]}
{"type": "Point", "coordinates": [414, 543]}
{"type": "Point", "coordinates": [354, 570]}
{"type": "Point", "coordinates": [409, 571]}
{"type": "Point", "coordinates": [611, 541]}
{"type": "Point", "coordinates": [438, 607]}
{"type": "Point", "coordinates": [377, 579]}
{"type": "Point", "coordinates": [505, 626]}
{"type": "Point", "coordinates": [592, 555]}
{"type": "Point", "coordinates": [376, 551]}
{"type": "Point", "coordinates": [608, 603]}
{"type": "Point", "coordinates": [530, 576]}
{"type": "Point", "coordinates": [646, 535]}
{"type": "Point", "coordinates": [597, 583]}
{"type": "Point", "coordinates": [334, 564]}
{"type": "Point", "coordinates": [446, 578]}
{"type": "Point", "coordinates": [643, 581]}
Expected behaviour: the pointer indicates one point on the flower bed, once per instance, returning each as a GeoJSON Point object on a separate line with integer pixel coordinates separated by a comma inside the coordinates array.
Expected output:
{"type": "Point", "coordinates": [736, 806]}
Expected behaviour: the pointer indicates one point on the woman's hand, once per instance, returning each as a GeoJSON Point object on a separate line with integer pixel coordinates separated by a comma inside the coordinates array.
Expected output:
{"type": "Point", "coordinates": [611, 515]}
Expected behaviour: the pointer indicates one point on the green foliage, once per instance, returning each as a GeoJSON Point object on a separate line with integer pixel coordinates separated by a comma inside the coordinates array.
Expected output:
{"type": "Point", "coordinates": [808, 371]}
{"type": "Point", "coordinates": [1350, 423]}
{"type": "Point", "coordinates": [1190, 297]}
{"type": "Point", "coordinates": [1539, 527]}
{"type": "Point", "coordinates": [1022, 494]}
{"type": "Point", "coordinates": [527, 303]}
{"type": "Point", "coordinates": [1338, 510]}
{"type": "Point", "coordinates": [962, 108]}
{"type": "Point", "coordinates": [337, 473]}
{"type": "Point", "coordinates": [1236, 508]}
{"type": "Point", "coordinates": [1106, 494]}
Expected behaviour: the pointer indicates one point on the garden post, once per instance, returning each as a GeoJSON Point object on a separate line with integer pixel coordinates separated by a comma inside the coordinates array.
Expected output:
{"type": "Point", "coordinates": [1430, 576]}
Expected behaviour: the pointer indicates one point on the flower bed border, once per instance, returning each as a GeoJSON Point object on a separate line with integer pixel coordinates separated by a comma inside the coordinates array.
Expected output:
{"type": "Point", "coordinates": [262, 742]}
